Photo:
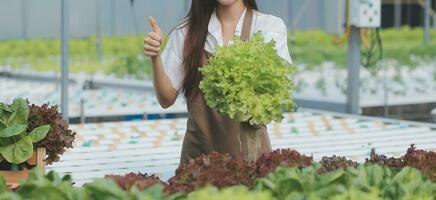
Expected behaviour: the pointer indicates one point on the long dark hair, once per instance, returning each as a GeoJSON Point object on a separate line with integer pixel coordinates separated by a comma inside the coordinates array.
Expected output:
{"type": "Point", "coordinates": [197, 22]}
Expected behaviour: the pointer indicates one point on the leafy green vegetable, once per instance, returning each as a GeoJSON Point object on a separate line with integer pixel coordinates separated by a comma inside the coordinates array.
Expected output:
{"type": "Point", "coordinates": [355, 194]}
{"type": "Point", "coordinates": [20, 112]}
{"type": "Point", "coordinates": [231, 193]}
{"type": "Point", "coordinates": [50, 186]}
{"type": "Point", "coordinates": [9, 196]}
{"type": "Point", "coordinates": [19, 151]}
{"type": "Point", "coordinates": [248, 81]}
{"type": "Point", "coordinates": [109, 189]}
{"type": "Point", "coordinates": [39, 133]}
{"type": "Point", "coordinates": [105, 189]}
{"type": "Point", "coordinates": [16, 144]}
{"type": "Point", "coordinates": [13, 130]}
{"type": "Point", "coordinates": [370, 180]}
{"type": "Point", "coordinates": [306, 183]}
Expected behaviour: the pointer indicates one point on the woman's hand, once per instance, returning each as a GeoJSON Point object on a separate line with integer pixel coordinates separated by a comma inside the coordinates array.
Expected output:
{"type": "Point", "coordinates": [165, 93]}
{"type": "Point", "coordinates": [153, 40]}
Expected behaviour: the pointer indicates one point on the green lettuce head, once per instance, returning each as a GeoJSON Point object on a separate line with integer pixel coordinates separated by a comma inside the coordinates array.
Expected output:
{"type": "Point", "coordinates": [248, 81]}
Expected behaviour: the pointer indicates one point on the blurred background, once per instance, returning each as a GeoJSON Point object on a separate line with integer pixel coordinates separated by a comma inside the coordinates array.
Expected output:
{"type": "Point", "coordinates": [109, 78]}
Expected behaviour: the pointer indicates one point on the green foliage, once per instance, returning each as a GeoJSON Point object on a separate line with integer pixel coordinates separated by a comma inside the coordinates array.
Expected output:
{"type": "Point", "coordinates": [231, 193]}
{"type": "Point", "coordinates": [16, 144]}
{"type": "Point", "coordinates": [9, 196]}
{"type": "Point", "coordinates": [120, 53]}
{"type": "Point", "coordinates": [372, 54]}
{"type": "Point", "coordinates": [134, 65]}
{"type": "Point", "coordinates": [43, 54]}
{"type": "Point", "coordinates": [314, 47]}
{"type": "Point", "coordinates": [294, 183]}
{"type": "Point", "coordinates": [355, 194]}
{"type": "Point", "coordinates": [248, 81]}
{"type": "Point", "coordinates": [371, 181]}
{"type": "Point", "coordinates": [53, 186]}
{"type": "Point", "coordinates": [104, 189]}
{"type": "Point", "coordinates": [50, 186]}
{"type": "Point", "coordinates": [407, 183]}
{"type": "Point", "coordinates": [39, 133]}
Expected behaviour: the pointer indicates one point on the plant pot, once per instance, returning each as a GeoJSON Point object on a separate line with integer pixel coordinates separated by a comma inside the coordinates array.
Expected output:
{"type": "Point", "coordinates": [13, 178]}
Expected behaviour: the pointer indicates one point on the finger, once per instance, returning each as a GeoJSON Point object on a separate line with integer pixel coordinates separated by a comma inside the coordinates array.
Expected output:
{"type": "Point", "coordinates": [151, 48]}
{"type": "Point", "coordinates": [150, 54]}
{"type": "Point", "coordinates": [155, 36]}
{"type": "Point", "coordinates": [151, 42]}
{"type": "Point", "coordinates": [154, 25]}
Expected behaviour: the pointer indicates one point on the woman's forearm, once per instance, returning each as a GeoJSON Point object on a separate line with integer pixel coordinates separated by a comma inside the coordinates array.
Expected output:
{"type": "Point", "coordinates": [165, 92]}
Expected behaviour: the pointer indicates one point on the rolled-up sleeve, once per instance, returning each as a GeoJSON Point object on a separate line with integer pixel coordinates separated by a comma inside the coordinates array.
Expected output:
{"type": "Point", "coordinates": [172, 58]}
{"type": "Point", "coordinates": [278, 32]}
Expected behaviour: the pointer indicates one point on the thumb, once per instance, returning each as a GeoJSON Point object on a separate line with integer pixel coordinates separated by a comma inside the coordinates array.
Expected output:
{"type": "Point", "coordinates": [154, 25]}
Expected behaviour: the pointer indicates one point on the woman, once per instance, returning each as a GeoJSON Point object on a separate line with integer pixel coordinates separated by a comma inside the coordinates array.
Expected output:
{"type": "Point", "coordinates": [210, 23]}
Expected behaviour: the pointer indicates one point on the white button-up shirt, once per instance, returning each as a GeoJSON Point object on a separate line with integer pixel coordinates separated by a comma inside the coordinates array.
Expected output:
{"type": "Point", "coordinates": [271, 27]}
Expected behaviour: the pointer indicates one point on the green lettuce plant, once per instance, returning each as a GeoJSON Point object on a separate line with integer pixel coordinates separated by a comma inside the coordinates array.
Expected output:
{"type": "Point", "coordinates": [248, 81]}
{"type": "Point", "coordinates": [230, 193]}
{"type": "Point", "coordinates": [16, 143]}
{"type": "Point", "coordinates": [370, 181]}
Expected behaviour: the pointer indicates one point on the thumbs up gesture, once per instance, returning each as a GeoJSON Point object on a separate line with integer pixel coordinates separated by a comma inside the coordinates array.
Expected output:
{"type": "Point", "coordinates": [153, 40]}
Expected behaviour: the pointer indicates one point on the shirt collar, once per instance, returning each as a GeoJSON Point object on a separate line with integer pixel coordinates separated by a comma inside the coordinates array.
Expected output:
{"type": "Point", "coordinates": [215, 29]}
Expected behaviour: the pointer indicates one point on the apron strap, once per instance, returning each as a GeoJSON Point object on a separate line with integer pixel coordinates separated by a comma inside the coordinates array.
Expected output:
{"type": "Point", "coordinates": [246, 26]}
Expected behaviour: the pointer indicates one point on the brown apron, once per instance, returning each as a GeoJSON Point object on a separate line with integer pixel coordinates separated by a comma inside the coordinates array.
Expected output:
{"type": "Point", "coordinates": [208, 130]}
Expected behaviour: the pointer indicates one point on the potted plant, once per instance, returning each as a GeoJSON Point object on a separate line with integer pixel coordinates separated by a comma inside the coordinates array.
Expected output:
{"type": "Point", "coordinates": [17, 152]}
{"type": "Point", "coordinates": [26, 140]}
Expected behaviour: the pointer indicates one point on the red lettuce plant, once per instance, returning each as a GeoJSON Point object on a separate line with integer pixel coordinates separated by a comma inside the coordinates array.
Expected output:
{"type": "Point", "coordinates": [213, 169]}
{"type": "Point", "coordinates": [333, 163]}
{"type": "Point", "coordinates": [383, 160]}
{"type": "Point", "coordinates": [268, 162]}
{"type": "Point", "coordinates": [425, 161]}
{"type": "Point", "coordinates": [58, 138]}
{"type": "Point", "coordinates": [140, 181]}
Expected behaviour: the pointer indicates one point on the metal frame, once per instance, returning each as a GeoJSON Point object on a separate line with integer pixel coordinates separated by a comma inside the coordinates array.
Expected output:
{"type": "Point", "coordinates": [397, 13]}
{"type": "Point", "coordinates": [352, 106]}
{"type": "Point", "coordinates": [64, 57]}
{"type": "Point", "coordinates": [146, 86]}
{"type": "Point", "coordinates": [99, 42]}
{"type": "Point", "coordinates": [30, 76]}
{"type": "Point", "coordinates": [324, 104]}
{"type": "Point", "coordinates": [427, 19]}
